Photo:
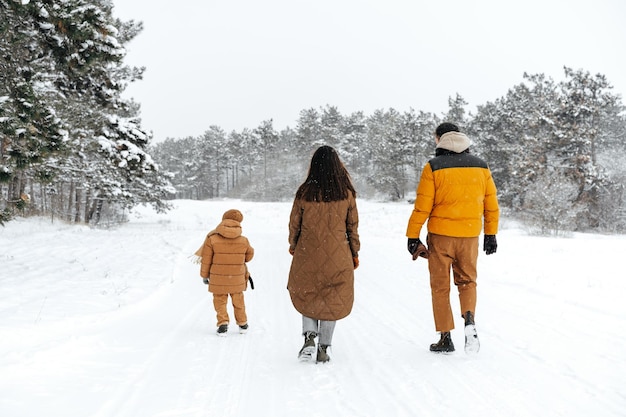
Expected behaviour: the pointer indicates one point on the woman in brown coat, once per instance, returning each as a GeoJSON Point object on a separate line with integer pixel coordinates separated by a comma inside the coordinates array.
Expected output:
{"type": "Point", "coordinates": [324, 242]}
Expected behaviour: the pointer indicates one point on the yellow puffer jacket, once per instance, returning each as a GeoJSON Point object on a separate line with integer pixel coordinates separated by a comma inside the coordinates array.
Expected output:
{"type": "Point", "coordinates": [455, 192]}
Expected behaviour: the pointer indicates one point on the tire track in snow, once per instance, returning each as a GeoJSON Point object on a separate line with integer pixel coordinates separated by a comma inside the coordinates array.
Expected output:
{"type": "Point", "coordinates": [387, 339]}
{"type": "Point", "coordinates": [131, 397]}
{"type": "Point", "coordinates": [170, 320]}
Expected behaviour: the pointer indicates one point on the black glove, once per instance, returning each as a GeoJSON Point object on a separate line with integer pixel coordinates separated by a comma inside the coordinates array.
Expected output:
{"type": "Point", "coordinates": [205, 280]}
{"type": "Point", "coordinates": [251, 282]}
{"type": "Point", "coordinates": [417, 248]}
{"type": "Point", "coordinates": [411, 245]}
{"type": "Point", "coordinates": [490, 244]}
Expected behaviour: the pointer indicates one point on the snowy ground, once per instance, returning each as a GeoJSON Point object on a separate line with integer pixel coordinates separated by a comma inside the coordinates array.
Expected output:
{"type": "Point", "coordinates": [115, 323]}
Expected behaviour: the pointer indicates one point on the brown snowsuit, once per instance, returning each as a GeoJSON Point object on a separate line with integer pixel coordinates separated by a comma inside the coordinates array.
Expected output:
{"type": "Point", "coordinates": [224, 255]}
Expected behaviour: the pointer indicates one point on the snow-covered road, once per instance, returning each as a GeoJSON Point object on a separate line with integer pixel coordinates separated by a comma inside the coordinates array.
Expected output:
{"type": "Point", "coordinates": [116, 323]}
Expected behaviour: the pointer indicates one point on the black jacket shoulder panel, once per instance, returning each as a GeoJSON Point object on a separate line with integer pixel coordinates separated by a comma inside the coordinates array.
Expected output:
{"type": "Point", "coordinates": [456, 160]}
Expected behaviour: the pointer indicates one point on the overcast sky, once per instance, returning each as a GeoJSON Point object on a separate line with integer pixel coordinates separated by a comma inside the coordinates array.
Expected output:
{"type": "Point", "coordinates": [235, 63]}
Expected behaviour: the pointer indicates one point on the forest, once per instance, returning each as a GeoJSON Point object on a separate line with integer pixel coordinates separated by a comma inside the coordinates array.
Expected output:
{"type": "Point", "coordinates": [72, 148]}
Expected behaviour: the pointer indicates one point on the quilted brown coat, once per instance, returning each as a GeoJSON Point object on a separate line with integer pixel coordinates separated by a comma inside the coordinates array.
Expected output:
{"type": "Point", "coordinates": [224, 254]}
{"type": "Point", "coordinates": [324, 238]}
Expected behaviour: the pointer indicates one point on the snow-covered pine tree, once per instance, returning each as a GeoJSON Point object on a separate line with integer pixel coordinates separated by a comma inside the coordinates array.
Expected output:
{"type": "Point", "coordinates": [419, 132]}
{"type": "Point", "coordinates": [177, 158]}
{"type": "Point", "coordinates": [267, 138]}
{"type": "Point", "coordinates": [547, 134]}
{"type": "Point", "coordinates": [332, 127]}
{"type": "Point", "coordinates": [212, 159]}
{"type": "Point", "coordinates": [64, 62]}
{"type": "Point", "coordinates": [456, 111]}
{"type": "Point", "coordinates": [30, 131]}
{"type": "Point", "coordinates": [511, 135]}
{"type": "Point", "coordinates": [246, 154]}
{"type": "Point", "coordinates": [308, 132]}
{"type": "Point", "coordinates": [391, 149]}
{"type": "Point", "coordinates": [585, 101]}
{"type": "Point", "coordinates": [353, 148]}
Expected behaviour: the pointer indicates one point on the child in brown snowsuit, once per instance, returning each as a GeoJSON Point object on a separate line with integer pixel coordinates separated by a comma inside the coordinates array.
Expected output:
{"type": "Point", "coordinates": [223, 266]}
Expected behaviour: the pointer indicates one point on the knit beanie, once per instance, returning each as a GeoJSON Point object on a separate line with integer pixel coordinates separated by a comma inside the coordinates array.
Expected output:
{"type": "Point", "coordinates": [233, 214]}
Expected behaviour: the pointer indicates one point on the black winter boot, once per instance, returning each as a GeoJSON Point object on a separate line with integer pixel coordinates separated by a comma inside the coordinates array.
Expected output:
{"type": "Point", "coordinates": [444, 344]}
{"type": "Point", "coordinates": [322, 354]}
{"type": "Point", "coordinates": [306, 353]}
{"type": "Point", "coordinates": [221, 331]}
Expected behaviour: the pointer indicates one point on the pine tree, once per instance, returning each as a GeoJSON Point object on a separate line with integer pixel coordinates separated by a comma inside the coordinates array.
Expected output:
{"type": "Point", "coordinates": [584, 101]}
{"type": "Point", "coordinates": [456, 111]}
{"type": "Point", "coordinates": [511, 134]}
{"type": "Point", "coordinates": [418, 131]}
{"type": "Point", "coordinates": [308, 132]}
{"type": "Point", "coordinates": [390, 151]}
{"type": "Point", "coordinates": [353, 148]}
{"type": "Point", "coordinates": [62, 119]}
{"type": "Point", "coordinates": [30, 131]}
{"type": "Point", "coordinates": [332, 127]}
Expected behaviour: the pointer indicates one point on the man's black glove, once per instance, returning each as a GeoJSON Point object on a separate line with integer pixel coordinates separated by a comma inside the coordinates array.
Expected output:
{"type": "Point", "coordinates": [417, 248]}
{"type": "Point", "coordinates": [412, 245]}
{"type": "Point", "coordinates": [490, 244]}
{"type": "Point", "coordinates": [205, 280]}
{"type": "Point", "coordinates": [251, 282]}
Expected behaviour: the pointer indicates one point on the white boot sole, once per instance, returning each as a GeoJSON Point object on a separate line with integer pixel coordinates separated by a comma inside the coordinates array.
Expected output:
{"type": "Point", "coordinates": [472, 344]}
{"type": "Point", "coordinates": [307, 354]}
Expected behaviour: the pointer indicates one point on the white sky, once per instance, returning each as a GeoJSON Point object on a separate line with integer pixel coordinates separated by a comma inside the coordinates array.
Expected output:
{"type": "Point", "coordinates": [235, 63]}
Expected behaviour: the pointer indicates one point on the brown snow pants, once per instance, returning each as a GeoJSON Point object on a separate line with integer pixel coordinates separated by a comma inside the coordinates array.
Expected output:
{"type": "Point", "coordinates": [220, 302]}
{"type": "Point", "coordinates": [460, 254]}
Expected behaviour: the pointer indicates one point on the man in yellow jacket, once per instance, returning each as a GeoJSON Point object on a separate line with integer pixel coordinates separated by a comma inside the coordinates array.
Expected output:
{"type": "Point", "coordinates": [455, 193]}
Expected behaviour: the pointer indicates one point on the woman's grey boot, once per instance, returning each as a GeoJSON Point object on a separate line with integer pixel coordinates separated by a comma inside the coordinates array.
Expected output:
{"type": "Point", "coordinates": [323, 354]}
{"type": "Point", "coordinates": [306, 353]}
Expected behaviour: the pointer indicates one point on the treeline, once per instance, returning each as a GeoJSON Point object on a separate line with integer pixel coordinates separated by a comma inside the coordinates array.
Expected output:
{"type": "Point", "coordinates": [70, 146]}
{"type": "Point", "coordinates": [556, 150]}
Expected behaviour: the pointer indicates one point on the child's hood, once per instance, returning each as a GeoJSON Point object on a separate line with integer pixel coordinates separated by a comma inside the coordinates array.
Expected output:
{"type": "Point", "coordinates": [229, 229]}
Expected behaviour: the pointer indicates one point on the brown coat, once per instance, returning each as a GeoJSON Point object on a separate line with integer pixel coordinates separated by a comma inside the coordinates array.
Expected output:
{"type": "Point", "coordinates": [324, 238]}
{"type": "Point", "coordinates": [224, 254]}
